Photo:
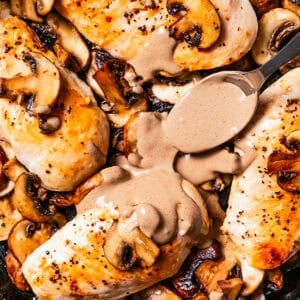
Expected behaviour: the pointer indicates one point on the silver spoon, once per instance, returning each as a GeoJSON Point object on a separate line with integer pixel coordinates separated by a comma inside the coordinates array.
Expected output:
{"type": "Point", "coordinates": [207, 116]}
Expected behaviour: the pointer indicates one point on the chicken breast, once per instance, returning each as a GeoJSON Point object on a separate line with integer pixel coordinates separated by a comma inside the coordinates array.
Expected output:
{"type": "Point", "coordinates": [77, 149]}
{"type": "Point", "coordinates": [124, 27]}
{"type": "Point", "coordinates": [121, 27]}
{"type": "Point", "coordinates": [263, 220]}
{"type": "Point", "coordinates": [73, 262]}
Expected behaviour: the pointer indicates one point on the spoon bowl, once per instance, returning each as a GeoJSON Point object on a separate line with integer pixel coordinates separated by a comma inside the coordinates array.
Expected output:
{"type": "Point", "coordinates": [221, 105]}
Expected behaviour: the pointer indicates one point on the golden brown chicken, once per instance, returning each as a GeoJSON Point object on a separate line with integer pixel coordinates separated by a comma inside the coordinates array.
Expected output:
{"type": "Point", "coordinates": [49, 116]}
{"type": "Point", "coordinates": [263, 218]}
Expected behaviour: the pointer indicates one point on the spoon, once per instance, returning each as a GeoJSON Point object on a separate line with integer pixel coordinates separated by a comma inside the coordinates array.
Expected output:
{"type": "Point", "coordinates": [221, 105]}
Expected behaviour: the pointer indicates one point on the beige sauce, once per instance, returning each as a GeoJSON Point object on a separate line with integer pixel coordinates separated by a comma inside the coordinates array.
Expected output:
{"type": "Point", "coordinates": [156, 55]}
{"type": "Point", "coordinates": [151, 188]}
{"type": "Point", "coordinates": [155, 197]}
{"type": "Point", "coordinates": [213, 111]}
{"type": "Point", "coordinates": [199, 168]}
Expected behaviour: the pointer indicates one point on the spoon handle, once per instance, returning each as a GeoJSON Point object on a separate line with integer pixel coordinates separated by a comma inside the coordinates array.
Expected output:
{"type": "Point", "coordinates": [289, 51]}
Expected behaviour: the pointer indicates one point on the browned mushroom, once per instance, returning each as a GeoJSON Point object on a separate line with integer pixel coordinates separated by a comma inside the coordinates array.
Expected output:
{"type": "Point", "coordinates": [292, 141]}
{"type": "Point", "coordinates": [31, 9]}
{"type": "Point", "coordinates": [70, 40]}
{"type": "Point", "coordinates": [30, 199]}
{"type": "Point", "coordinates": [122, 101]}
{"type": "Point", "coordinates": [275, 27]}
{"type": "Point", "coordinates": [291, 5]}
{"type": "Point", "coordinates": [263, 6]}
{"type": "Point", "coordinates": [185, 281]}
{"type": "Point", "coordinates": [126, 252]}
{"type": "Point", "coordinates": [198, 22]}
{"type": "Point", "coordinates": [26, 236]}
{"type": "Point", "coordinates": [287, 168]}
{"type": "Point", "coordinates": [231, 287]}
{"type": "Point", "coordinates": [14, 271]}
{"type": "Point", "coordinates": [36, 84]}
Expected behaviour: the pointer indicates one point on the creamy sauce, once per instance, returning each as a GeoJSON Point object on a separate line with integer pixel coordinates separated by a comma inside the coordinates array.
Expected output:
{"type": "Point", "coordinates": [156, 55]}
{"type": "Point", "coordinates": [152, 189]}
{"type": "Point", "coordinates": [199, 168]}
{"type": "Point", "coordinates": [213, 112]}
{"type": "Point", "coordinates": [162, 207]}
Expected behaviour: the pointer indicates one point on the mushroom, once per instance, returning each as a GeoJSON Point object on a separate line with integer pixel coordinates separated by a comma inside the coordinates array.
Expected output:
{"type": "Point", "coordinates": [275, 27]}
{"type": "Point", "coordinates": [26, 236]}
{"type": "Point", "coordinates": [70, 39]}
{"type": "Point", "coordinates": [292, 141]}
{"type": "Point", "coordinates": [126, 252]}
{"type": "Point", "coordinates": [14, 271]}
{"type": "Point", "coordinates": [184, 281]}
{"type": "Point", "coordinates": [31, 9]}
{"type": "Point", "coordinates": [173, 90]}
{"type": "Point", "coordinates": [291, 5]}
{"type": "Point", "coordinates": [239, 29]}
{"type": "Point", "coordinates": [30, 199]}
{"type": "Point", "coordinates": [263, 6]}
{"type": "Point", "coordinates": [36, 84]}
{"type": "Point", "coordinates": [210, 273]}
{"type": "Point", "coordinates": [25, 9]}
{"type": "Point", "coordinates": [231, 287]}
{"type": "Point", "coordinates": [121, 100]}
{"type": "Point", "coordinates": [287, 168]}
{"type": "Point", "coordinates": [44, 6]}
{"type": "Point", "coordinates": [198, 22]}
{"type": "Point", "coordinates": [49, 124]}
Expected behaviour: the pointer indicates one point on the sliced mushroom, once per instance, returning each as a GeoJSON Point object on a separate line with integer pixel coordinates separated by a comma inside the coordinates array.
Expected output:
{"type": "Point", "coordinates": [291, 5]}
{"type": "Point", "coordinates": [49, 124]}
{"type": "Point", "coordinates": [14, 271]}
{"type": "Point", "coordinates": [263, 6]}
{"type": "Point", "coordinates": [184, 281]}
{"type": "Point", "coordinates": [31, 9]}
{"type": "Point", "coordinates": [239, 29]}
{"type": "Point", "coordinates": [70, 39]}
{"type": "Point", "coordinates": [198, 22]}
{"type": "Point", "coordinates": [26, 236]}
{"type": "Point", "coordinates": [44, 6]}
{"type": "Point", "coordinates": [31, 200]}
{"type": "Point", "coordinates": [36, 84]}
{"type": "Point", "coordinates": [122, 101]}
{"type": "Point", "coordinates": [292, 141]}
{"type": "Point", "coordinates": [210, 273]}
{"type": "Point", "coordinates": [171, 91]}
{"type": "Point", "coordinates": [9, 216]}
{"type": "Point", "coordinates": [275, 27]}
{"type": "Point", "coordinates": [231, 287]}
{"type": "Point", "coordinates": [127, 252]}
{"type": "Point", "coordinates": [283, 162]}
{"type": "Point", "coordinates": [26, 9]}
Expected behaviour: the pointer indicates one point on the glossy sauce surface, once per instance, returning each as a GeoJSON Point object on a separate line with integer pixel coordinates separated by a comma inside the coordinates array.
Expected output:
{"type": "Point", "coordinates": [153, 187]}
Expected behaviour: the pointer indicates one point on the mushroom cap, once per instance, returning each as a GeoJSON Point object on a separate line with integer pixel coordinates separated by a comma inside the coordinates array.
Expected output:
{"type": "Point", "coordinates": [239, 30]}
{"type": "Point", "coordinates": [274, 27]}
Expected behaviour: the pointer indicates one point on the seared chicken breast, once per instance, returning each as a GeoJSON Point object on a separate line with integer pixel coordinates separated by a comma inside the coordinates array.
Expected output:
{"type": "Point", "coordinates": [205, 34]}
{"type": "Point", "coordinates": [263, 219]}
{"type": "Point", "coordinates": [87, 259]}
{"type": "Point", "coordinates": [76, 147]}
